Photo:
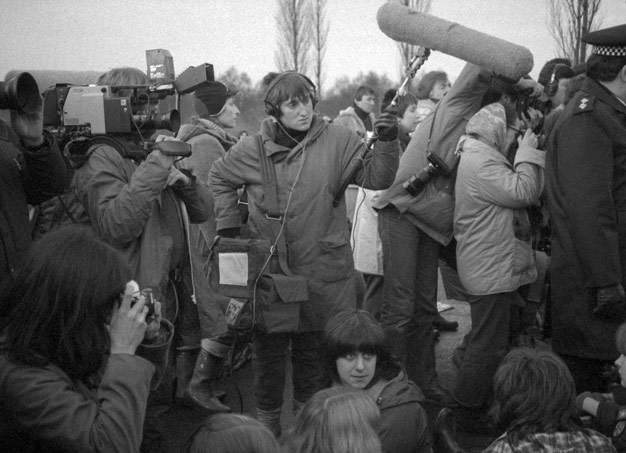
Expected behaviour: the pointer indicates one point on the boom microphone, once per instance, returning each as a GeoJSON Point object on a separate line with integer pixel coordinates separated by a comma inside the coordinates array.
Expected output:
{"type": "Point", "coordinates": [404, 24]}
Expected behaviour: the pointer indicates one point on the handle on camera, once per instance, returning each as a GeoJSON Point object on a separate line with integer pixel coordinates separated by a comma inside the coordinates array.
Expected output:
{"type": "Point", "coordinates": [169, 148]}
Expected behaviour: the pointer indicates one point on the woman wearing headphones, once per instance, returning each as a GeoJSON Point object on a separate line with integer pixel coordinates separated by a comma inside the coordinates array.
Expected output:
{"type": "Point", "coordinates": [312, 159]}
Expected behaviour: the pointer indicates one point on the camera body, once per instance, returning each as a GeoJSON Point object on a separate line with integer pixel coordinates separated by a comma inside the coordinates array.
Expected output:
{"type": "Point", "coordinates": [86, 111]}
{"type": "Point", "coordinates": [416, 183]}
{"type": "Point", "coordinates": [525, 100]}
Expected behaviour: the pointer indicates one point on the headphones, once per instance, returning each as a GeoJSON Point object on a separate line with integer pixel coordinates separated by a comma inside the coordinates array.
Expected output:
{"type": "Point", "coordinates": [274, 110]}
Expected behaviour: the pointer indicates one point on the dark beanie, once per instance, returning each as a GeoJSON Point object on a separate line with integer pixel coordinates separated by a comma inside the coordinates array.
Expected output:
{"type": "Point", "coordinates": [211, 98]}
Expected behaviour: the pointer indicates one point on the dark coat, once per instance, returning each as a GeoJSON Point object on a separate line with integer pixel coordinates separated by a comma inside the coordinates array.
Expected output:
{"type": "Point", "coordinates": [403, 421]}
{"type": "Point", "coordinates": [25, 178]}
{"type": "Point", "coordinates": [586, 187]}
{"type": "Point", "coordinates": [316, 232]}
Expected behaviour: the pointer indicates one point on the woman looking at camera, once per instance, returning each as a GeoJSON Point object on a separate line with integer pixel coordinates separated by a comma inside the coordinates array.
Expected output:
{"type": "Point", "coordinates": [69, 376]}
{"type": "Point", "coordinates": [356, 353]}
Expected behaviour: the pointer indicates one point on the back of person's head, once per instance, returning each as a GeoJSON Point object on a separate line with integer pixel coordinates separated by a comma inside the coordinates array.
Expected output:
{"type": "Point", "coordinates": [232, 433]}
{"type": "Point", "coordinates": [351, 331]}
{"type": "Point", "coordinates": [402, 103]}
{"type": "Point", "coordinates": [61, 301]}
{"type": "Point", "coordinates": [210, 100]}
{"type": "Point", "coordinates": [363, 90]}
{"type": "Point", "coordinates": [534, 393]}
{"type": "Point", "coordinates": [336, 420]}
{"type": "Point", "coordinates": [560, 67]}
{"type": "Point", "coordinates": [123, 76]}
{"type": "Point", "coordinates": [285, 86]}
{"type": "Point", "coordinates": [604, 68]}
{"type": "Point", "coordinates": [428, 81]}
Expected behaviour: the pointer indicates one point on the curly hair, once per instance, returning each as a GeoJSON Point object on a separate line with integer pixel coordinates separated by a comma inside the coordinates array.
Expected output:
{"type": "Point", "coordinates": [534, 393]}
{"type": "Point", "coordinates": [59, 306]}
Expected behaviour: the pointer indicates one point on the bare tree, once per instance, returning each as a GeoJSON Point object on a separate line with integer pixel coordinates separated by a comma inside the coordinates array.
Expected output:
{"type": "Point", "coordinates": [408, 50]}
{"type": "Point", "coordinates": [568, 21]}
{"type": "Point", "coordinates": [294, 35]}
{"type": "Point", "coordinates": [319, 29]}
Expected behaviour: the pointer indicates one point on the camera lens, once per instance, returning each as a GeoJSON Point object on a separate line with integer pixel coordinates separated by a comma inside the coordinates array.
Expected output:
{"type": "Point", "coordinates": [20, 93]}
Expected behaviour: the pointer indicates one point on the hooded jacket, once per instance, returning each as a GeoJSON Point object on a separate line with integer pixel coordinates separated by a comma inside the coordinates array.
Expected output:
{"type": "Point", "coordinates": [491, 226]}
{"type": "Point", "coordinates": [348, 118]}
{"type": "Point", "coordinates": [124, 201]}
{"type": "Point", "coordinates": [316, 232]}
{"type": "Point", "coordinates": [403, 421]}
{"type": "Point", "coordinates": [43, 409]}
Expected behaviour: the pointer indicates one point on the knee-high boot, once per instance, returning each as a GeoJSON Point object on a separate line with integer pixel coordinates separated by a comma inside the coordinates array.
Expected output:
{"type": "Point", "coordinates": [199, 391]}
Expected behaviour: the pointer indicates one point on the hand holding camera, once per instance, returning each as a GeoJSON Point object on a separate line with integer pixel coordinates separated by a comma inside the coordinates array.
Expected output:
{"type": "Point", "coordinates": [128, 322]}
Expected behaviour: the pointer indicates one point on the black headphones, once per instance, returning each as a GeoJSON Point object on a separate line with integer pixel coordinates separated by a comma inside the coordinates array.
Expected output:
{"type": "Point", "coordinates": [274, 110]}
{"type": "Point", "coordinates": [553, 83]}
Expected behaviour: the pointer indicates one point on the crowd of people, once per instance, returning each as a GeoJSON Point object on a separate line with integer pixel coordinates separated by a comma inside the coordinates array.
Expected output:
{"type": "Point", "coordinates": [511, 190]}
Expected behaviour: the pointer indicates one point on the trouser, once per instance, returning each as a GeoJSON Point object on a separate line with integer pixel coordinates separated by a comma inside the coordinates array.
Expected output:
{"type": "Point", "coordinates": [483, 348]}
{"type": "Point", "coordinates": [269, 359]}
{"type": "Point", "coordinates": [373, 300]}
{"type": "Point", "coordinates": [410, 261]}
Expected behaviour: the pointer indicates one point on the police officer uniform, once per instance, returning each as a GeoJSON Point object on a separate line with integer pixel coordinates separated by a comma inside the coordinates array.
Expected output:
{"type": "Point", "coordinates": [586, 187]}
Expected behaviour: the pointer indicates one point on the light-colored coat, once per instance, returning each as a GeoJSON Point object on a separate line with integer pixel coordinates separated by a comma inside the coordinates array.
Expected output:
{"type": "Point", "coordinates": [491, 226]}
{"type": "Point", "coordinates": [315, 231]}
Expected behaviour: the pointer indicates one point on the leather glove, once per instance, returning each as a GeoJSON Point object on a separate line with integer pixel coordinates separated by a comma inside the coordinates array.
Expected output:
{"type": "Point", "coordinates": [610, 302]}
{"type": "Point", "coordinates": [386, 127]}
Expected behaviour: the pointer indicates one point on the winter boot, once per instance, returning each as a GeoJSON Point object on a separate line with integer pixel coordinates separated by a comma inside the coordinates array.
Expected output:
{"type": "Point", "coordinates": [271, 420]}
{"type": "Point", "coordinates": [199, 392]}
{"type": "Point", "coordinates": [186, 357]}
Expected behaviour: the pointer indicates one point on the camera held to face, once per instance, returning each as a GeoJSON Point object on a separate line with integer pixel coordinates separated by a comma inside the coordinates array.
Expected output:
{"type": "Point", "coordinates": [416, 183]}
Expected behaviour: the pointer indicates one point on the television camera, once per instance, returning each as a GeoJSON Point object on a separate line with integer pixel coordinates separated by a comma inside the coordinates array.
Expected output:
{"type": "Point", "coordinates": [79, 112]}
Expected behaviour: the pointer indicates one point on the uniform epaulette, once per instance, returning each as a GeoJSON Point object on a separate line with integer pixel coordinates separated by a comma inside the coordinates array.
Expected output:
{"type": "Point", "coordinates": [584, 104]}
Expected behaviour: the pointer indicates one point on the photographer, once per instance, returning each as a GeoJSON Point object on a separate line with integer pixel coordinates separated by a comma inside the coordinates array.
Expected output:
{"type": "Point", "coordinates": [412, 227]}
{"type": "Point", "coordinates": [70, 380]}
{"type": "Point", "coordinates": [312, 159]}
{"type": "Point", "coordinates": [32, 170]}
{"type": "Point", "coordinates": [586, 187]}
{"type": "Point", "coordinates": [143, 208]}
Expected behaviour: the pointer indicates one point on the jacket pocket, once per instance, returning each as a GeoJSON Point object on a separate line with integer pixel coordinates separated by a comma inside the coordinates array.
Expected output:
{"type": "Point", "coordinates": [334, 261]}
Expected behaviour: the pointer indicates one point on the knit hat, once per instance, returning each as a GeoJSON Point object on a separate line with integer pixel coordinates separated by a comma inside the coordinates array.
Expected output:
{"type": "Point", "coordinates": [211, 98]}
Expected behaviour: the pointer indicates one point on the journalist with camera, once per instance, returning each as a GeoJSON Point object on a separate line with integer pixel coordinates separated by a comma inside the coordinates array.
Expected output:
{"type": "Point", "coordinates": [419, 209]}
{"type": "Point", "coordinates": [31, 169]}
{"type": "Point", "coordinates": [141, 203]}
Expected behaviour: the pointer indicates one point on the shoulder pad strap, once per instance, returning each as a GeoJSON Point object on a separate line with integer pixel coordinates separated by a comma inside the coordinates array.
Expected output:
{"type": "Point", "coordinates": [584, 104]}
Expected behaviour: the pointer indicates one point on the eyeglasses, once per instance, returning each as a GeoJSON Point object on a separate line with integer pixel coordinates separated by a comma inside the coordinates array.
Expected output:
{"type": "Point", "coordinates": [517, 131]}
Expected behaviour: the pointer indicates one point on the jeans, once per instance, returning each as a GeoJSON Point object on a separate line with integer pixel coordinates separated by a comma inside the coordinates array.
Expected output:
{"type": "Point", "coordinates": [410, 262]}
{"type": "Point", "coordinates": [269, 359]}
{"type": "Point", "coordinates": [483, 348]}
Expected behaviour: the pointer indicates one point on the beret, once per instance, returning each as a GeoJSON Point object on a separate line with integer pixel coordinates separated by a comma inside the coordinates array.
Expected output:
{"type": "Point", "coordinates": [608, 41]}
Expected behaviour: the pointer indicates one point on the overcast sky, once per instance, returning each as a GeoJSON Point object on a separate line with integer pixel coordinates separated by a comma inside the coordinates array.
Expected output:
{"type": "Point", "coordinates": [101, 34]}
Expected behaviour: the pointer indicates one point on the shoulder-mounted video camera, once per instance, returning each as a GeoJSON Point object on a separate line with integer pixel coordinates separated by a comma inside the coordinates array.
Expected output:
{"type": "Point", "coordinates": [75, 111]}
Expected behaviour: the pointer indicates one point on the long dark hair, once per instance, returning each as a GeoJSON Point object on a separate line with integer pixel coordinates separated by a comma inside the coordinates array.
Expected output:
{"type": "Point", "coordinates": [352, 331]}
{"type": "Point", "coordinates": [61, 300]}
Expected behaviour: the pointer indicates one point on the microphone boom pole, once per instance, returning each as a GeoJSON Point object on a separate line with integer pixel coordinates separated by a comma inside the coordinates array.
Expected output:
{"type": "Point", "coordinates": [411, 69]}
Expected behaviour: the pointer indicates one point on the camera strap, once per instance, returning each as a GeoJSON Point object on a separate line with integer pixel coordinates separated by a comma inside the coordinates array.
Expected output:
{"type": "Point", "coordinates": [273, 214]}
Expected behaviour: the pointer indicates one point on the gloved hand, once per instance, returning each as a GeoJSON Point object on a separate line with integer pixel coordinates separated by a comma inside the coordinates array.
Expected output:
{"type": "Point", "coordinates": [610, 302]}
{"type": "Point", "coordinates": [386, 127]}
